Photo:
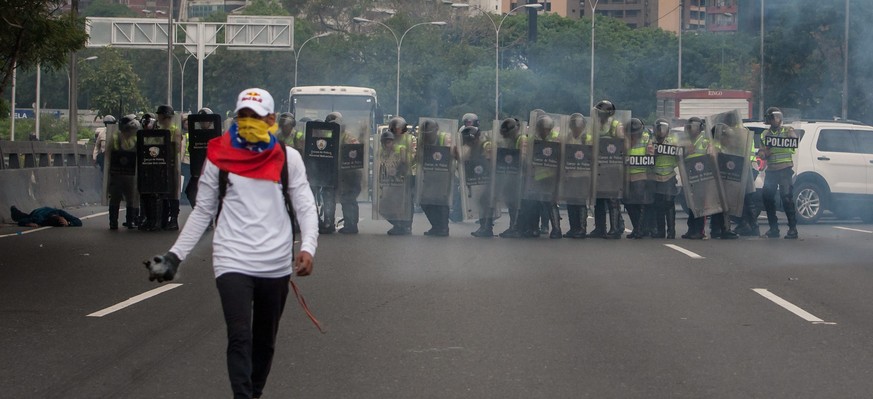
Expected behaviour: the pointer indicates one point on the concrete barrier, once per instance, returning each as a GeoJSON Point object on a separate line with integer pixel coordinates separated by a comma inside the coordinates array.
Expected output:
{"type": "Point", "coordinates": [35, 174]}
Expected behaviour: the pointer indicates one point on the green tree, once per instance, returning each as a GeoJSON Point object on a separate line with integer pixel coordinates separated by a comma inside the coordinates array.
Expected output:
{"type": "Point", "coordinates": [113, 85]}
{"type": "Point", "coordinates": [36, 32]}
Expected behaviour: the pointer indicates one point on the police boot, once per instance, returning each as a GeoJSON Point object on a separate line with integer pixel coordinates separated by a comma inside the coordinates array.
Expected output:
{"type": "Point", "coordinates": [486, 228]}
{"type": "Point", "coordinates": [130, 218]}
{"type": "Point", "coordinates": [791, 215]}
{"type": "Point", "coordinates": [574, 217]}
{"type": "Point", "coordinates": [544, 220]}
{"type": "Point", "coordinates": [660, 210]}
{"type": "Point", "coordinates": [113, 217]}
{"type": "Point", "coordinates": [555, 219]}
{"type": "Point", "coordinates": [350, 220]}
{"type": "Point", "coordinates": [634, 212]}
{"type": "Point", "coordinates": [671, 221]}
{"type": "Point", "coordinates": [599, 223]}
{"type": "Point", "coordinates": [615, 226]}
{"type": "Point", "coordinates": [173, 223]}
{"type": "Point", "coordinates": [751, 219]}
{"type": "Point", "coordinates": [512, 230]}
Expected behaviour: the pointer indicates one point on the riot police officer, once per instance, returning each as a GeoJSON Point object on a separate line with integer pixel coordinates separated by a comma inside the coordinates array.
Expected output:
{"type": "Point", "coordinates": [698, 146]}
{"type": "Point", "coordinates": [607, 126]}
{"type": "Point", "coordinates": [100, 141]}
{"type": "Point", "coordinates": [541, 184]}
{"type": "Point", "coordinates": [576, 176]}
{"type": "Point", "coordinates": [508, 179]}
{"type": "Point", "coordinates": [638, 198]}
{"type": "Point", "coordinates": [780, 174]}
{"type": "Point", "coordinates": [434, 194]}
{"type": "Point", "coordinates": [286, 123]}
{"type": "Point", "coordinates": [349, 179]}
{"type": "Point", "coordinates": [122, 172]}
{"type": "Point", "coordinates": [665, 189]}
{"type": "Point", "coordinates": [403, 145]}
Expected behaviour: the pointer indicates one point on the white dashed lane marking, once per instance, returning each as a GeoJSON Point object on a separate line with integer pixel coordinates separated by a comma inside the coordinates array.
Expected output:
{"type": "Point", "coordinates": [690, 254]}
{"type": "Point", "coordinates": [790, 306]}
{"type": "Point", "coordinates": [134, 300]}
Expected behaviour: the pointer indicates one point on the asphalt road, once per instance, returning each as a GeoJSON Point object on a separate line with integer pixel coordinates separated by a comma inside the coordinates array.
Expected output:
{"type": "Point", "coordinates": [455, 317]}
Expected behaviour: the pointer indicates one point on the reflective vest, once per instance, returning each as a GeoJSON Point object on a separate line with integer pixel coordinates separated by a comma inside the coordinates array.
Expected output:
{"type": "Point", "coordinates": [701, 143]}
{"type": "Point", "coordinates": [639, 149]}
{"type": "Point", "coordinates": [779, 155]}
{"type": "Point", "coordinates": [124, 144]}
{"type": "Point", "coordinates": [613, 129]}
{"type": "Point", "coordinates": [542, 173]}
{"type": "Point", "coordinates": [665, 165]}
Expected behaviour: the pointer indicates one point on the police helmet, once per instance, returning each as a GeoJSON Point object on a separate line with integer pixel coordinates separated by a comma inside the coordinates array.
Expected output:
{"type": "Point", "coordinates": [205, 111]}
{"type": "Point", "coordinates": [429, 126]}
{"type": "Point", "coordinates": [545, 124]}
{"type": "Point", "coordinates": [470, 119]}
{"type": "Point", "coordinates": [771, 113]}
{"type": "Point", "coordinates": [395, 122]}
{"type": "Point", "coordinates": [109, 120]}
{"type": "Point", "coordinates": [662, 127]}
{"type": "Point", "coordinates": [577, 121]}
{"type": "Point", "coordinates": [286, 119]}
{"type": "Point", "coordinates": [636, 126]}
{"type": "Point", "coordinates": [129, 123]}
{"type": "Point", "coordinates": [509, 126]}
{"type": "Point", "coordinates": [386, 135]}
{"type": "Point", "coordinates": [334, 117]}
{"type": "Point", "coordinates": [605, 108]}
{"type": "Point", "coordinates": [165, 110]}
{"type": "Point", "coordinates": [147, 120]}
{"type": "Point", "coordinates": [695, 121]}
{"type": "Point", "coordinates": [470, 133]}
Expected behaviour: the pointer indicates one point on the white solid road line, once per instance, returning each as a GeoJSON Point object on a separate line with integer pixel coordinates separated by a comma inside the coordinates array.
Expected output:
{"type": "Point", "coordinates": [690, 254]}
{"type": "Point", "coordinates": [858, 230]}
{"type": "Point", "coordinates": [790, 306]}
{"type": "Point", "coordinates": [131, 301]}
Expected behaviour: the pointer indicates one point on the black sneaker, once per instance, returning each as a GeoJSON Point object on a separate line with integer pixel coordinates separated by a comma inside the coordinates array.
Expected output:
{"type": "Point", "coordinates": [792, 234]}
{"type": "Point", "coordinates": [772, 233]}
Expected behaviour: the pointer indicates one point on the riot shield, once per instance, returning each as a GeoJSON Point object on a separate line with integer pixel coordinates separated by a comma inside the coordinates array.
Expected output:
{"type": "Point", "coordinates": [475, 152]}
{"type": "Point", "coordinates": [392, 199]}
{"type": "Point", "coordinates": [321, 153]}
{"type": "Point", "coordinates": [354, 161]}
{"type": "Point", "coordinates": [577, 167]}
{"type": "Point", "coordinates": [542, 161]}
{"type": "Point", "coordinates": [609, 145]}
{"type": "Point", "coordinates": [435, 166]}
{"type": "Point", "coordinates": [733, 143]}
{"type": "Point", "coordinates": [111, 134]}
{"type": "Point", "coordinates": [507, 164]}
{"type": "Point", "coordinates": [201, 129]}
{"type": "Point", "coordinates": [699, 174]}
{"type": "Point", "coordinates": [155, 153]}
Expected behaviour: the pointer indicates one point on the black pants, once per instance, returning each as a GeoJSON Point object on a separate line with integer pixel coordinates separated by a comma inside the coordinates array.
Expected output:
{"type": "Point", "coordinates": [437, 215]}
{"type": "Point", "coordinates": [781, 181]}
{"type": "Point", "coordinates": [252, 309]}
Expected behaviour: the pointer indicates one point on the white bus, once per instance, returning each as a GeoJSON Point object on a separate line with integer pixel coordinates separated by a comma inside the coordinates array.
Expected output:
{"type": "Point", "coordinates": [358, 105]}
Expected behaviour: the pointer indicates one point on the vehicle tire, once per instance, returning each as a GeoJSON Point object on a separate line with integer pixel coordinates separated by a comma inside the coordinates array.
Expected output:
{"type": "Point", "coordinates": [809, 201]}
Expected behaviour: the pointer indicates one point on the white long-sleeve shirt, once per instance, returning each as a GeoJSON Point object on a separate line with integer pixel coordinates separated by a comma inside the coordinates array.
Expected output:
{"type": "Point", "coordinates": [253, 235]}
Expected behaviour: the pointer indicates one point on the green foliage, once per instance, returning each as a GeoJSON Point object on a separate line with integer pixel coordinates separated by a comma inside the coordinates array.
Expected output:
{"type": "Point", "coordinates": [108, 8]}
{"type": "Point", "coordinates": [36, 32]}
{"type": "Point", "coordinates": [51, 128]}
{"type": "Point", "coordinates": [112, 84]}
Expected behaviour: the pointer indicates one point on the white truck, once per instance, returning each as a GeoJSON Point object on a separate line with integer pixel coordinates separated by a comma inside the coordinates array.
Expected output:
{"type": "Point", "coordinates": [675, 104]}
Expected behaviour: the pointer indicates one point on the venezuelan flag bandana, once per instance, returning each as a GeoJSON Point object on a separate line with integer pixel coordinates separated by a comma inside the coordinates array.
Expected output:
{"type": "Point", "coordinates": [259, 160]}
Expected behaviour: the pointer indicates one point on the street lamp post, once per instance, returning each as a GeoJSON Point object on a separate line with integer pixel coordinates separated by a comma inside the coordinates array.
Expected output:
{"type": "Point", "coordinates": [74, 97]}
{"type": "Point", "coordinates": [497, 27]}
{"type": "Point", "coordinates": [591, 84]}
{"type": "Point", "coordinates": [182, 66]}
{"type": "Point", "coordinates": [297, 53]}
{"type": "Point", "coordinates": [399, 44]}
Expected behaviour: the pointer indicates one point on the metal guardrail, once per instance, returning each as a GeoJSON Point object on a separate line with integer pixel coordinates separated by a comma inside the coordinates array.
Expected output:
{"type": "Point", "coordinates": [43, 154]}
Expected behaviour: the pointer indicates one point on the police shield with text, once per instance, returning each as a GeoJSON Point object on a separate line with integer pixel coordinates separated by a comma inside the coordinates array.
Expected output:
{"type": "Point", "coordinates": [477, 178]}
{"type": "Point", "coordinates": [542, 173]}
{"type": "Point", "coordinates": [699, 174]}
{"type": "Point", "coordinates": [733, 143]}
{"type": "Point", "coordinates": [202, 127]}
{"type": "Point", "coordinates": [120, 171]}
{"type": "Point", "coordinates": [609, 145]}
{"type": "Point", "coordinates": [156, 155]}
{"type": "Point", "coordinates": [576, 175]}
{"type": "Point", "coordinates": [321, 158]}
{"type": "Point", "coordinates": [435, 165]}
{"type": "Point", "coordinates": [392, 163]}
{"type": "Point", "coordinates": [507, 164]}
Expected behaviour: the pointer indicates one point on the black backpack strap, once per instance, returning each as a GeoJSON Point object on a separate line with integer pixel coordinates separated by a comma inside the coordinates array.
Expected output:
{"type": "Point", "coordinates": [222, 190]}
{"type": "Point", "coordinates": [289, 206]}
{"type": "Point", "coordinates": [223, 182]}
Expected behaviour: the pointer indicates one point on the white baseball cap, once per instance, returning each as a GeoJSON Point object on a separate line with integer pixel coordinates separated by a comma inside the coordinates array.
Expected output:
{"type": "Point", "coordinates": [258, 100]}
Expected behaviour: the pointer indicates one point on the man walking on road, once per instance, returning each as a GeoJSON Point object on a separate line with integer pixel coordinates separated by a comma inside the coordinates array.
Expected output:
{"type": "Point", "coordinates": [254, 187]}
